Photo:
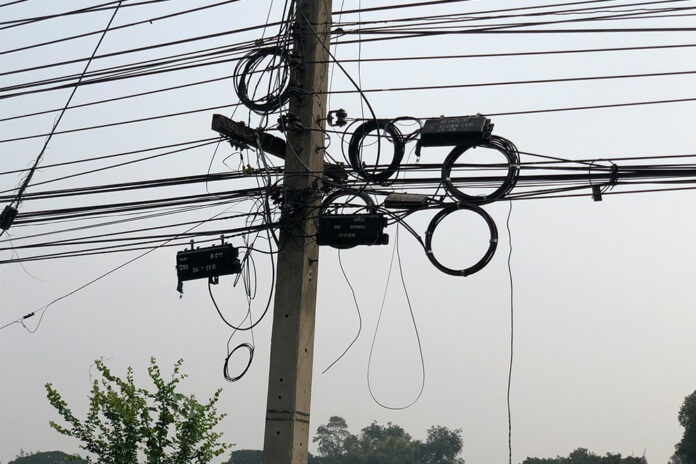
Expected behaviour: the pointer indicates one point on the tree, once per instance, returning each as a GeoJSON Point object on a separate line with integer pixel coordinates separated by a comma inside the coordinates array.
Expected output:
{"type": "Point", "coordinates": [125, 422]}
{"type": "Point", "coordinates": [442, 446]}
{"type": "Point", "coordinates": [685, 450]}
{"type": "Point", "coordinates": [584, 456]}
{"type": "Point", "coordinates": [334, 438]}
{"type": "Point", "coordinates": [386, 444]}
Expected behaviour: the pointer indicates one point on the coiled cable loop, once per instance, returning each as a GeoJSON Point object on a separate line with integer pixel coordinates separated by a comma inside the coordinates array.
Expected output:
{"type": "Point", "coordinates": [279, 84]}
{"type": "Point", "coordinates": [481, 263]}
{"type": "Point", "coordinates": [374, 174]}
{"type": "Point", "coordinates": [225, 369]}
{"type": "Point", "coordinates": [506, 148]}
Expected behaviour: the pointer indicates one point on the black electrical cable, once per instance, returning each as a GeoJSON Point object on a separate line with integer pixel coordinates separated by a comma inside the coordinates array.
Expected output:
{"type": "Point", "coordinates": [504, 147]}
{"type": "Point", "coordinates": [120, 123]}
{"type": "Point", "coordinates": [90, 9]}
{"type": "Point", "coordinates": [17, 200]}
{"type": "Point", "coordinates": [225, 367]}
{"type": "Point", "coordinates": [82, 239]}
{"type": "Point", "coordinates": [13, 3]}
{"type": "Point", "coordinates": [145, 21]}
{"type": "Point", "coordinates": [277, 97]}
{"type": "Point", "coordinates": [395, 252]}
{"type": "Point", "coordinates": [356, 144]}
{"type": "Point", "coordinates": [121, 164]}
{"type": "Point", "coordinates": [470, 16]}
{"type": "Point", "coordinates": [512, 332]}
{"type": "Point", "coordinates": [124, 97]}
{"type": "Point", "coordinates": [522, 82]}
{"type": "Point", "coordinates": [114, 155]}
{"type": "Point", "coordinates": [481, 263]}
{"type": "Point", "coordinates": [357, 310]}
{"type": "Point", "coordinates": [105, 79]}
{"type": "Point", "coordinates": [451, 21]}
{"type": "Point", "coordinates": [45, 308]}
{"type": "Point", "coordinates": [512, 54]}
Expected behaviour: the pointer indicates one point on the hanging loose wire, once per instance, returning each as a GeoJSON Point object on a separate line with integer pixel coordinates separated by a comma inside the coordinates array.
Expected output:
{"type": "Point", "coordinates": [357, 311]}
{"type": "Point", "coordinates": [512, 332]}
{"type": "Point", "coordinates": [396, 253]}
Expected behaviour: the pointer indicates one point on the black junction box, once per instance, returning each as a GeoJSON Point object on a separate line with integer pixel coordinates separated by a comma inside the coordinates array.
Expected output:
{"type": "Point", "coordinates": [348, 230]}
{"type": "Point", "coordinates": [447, 132]}
{"type": "Point", "coordinates": [208, 262]}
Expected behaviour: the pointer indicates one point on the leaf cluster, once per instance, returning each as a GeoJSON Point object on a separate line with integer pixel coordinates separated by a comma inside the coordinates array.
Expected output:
{"type": "Point", "coordinates": [125, 422]}
{"type": "Point", "coordinates": [685, 450]}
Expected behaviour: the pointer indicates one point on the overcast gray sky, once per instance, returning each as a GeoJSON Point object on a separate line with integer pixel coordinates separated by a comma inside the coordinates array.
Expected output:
{"type": "Point", "coordinates": [604, 313]}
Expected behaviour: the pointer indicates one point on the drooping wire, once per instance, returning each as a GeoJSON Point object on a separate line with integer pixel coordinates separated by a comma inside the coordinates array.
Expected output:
{"type": "Point", "coordinates": [357, 310]}
{"type": "Point", "coordinates": [45, 308]}
{"type": "Point", "coordinates": [396, 253]}
{"type": "Point", "coordinates": [512, 333]}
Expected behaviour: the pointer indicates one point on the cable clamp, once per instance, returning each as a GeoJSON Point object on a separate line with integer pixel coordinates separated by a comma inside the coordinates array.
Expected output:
{"type": "Point", "coordinates": [7, 217]}
{"type": "Point", "coordinates": [613, 175]}
{"type": "Point", "coordinates": [340, 116]}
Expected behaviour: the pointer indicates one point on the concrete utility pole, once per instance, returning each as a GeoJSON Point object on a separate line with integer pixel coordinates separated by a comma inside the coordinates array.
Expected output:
{"type": "Point", "coordinates": [292, 343]}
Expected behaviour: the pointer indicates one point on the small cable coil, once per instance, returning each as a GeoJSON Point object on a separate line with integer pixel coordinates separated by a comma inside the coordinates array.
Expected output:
{"type": "Point", "coordinates": [356, 143]}
{"type": "Point", "coordinates": [481, 263]}
{"type": "Point", "coordinates": [506, 148]}
{"type": "Point", "coordinates": [225, 369]}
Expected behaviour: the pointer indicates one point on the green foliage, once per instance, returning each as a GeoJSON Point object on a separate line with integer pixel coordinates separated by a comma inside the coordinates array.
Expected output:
{"type": "Point", "coordinates": [334, 437]}
{"type": "Point", "coordinates": [256, 457]}
{"type": "Point", "coordinates": [46, 457]}
{"type": "Point", "coordinates": [442, 446]}
{"type": "Point", "coordinates": [125, 421]}
{"type": "Point", "coordinates": [386, 444]}
{"type": "Point", "coordinates": [583, 456]}
{"type": "Point", "coordinates": [685, 450]}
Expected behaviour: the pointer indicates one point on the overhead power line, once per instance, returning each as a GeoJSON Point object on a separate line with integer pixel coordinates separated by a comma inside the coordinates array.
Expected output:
{"type": "Point", "coordinates": [17, 199]}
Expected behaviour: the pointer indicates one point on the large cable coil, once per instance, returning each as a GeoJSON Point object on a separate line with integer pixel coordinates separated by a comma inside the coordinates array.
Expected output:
{"type": "Point", "coordinates": [278, 91]}
{"type": "Point", "coordinates": [481, 263]}
{"type": "Point", "coordinates": [375, 175]}
{"type": "Point", "coordinates": [506, 148]}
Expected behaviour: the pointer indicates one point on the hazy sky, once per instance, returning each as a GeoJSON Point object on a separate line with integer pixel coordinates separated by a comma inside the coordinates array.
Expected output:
{"type": "Point", "coordinates": [604, 313]}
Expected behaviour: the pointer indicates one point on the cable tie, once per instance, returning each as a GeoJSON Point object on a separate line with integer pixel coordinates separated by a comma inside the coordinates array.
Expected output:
{"type": "Point", "coordinates": [613, 174]}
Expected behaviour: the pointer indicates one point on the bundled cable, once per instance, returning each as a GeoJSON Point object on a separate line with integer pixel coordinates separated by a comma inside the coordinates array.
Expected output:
{"type": "Point", "coordinates": [506, 148]}
{"type": "Point", "coordinates": [355, 147]}
{"type": "Point", "coordinates": [481, 263]}
{"type": "Point", "coordinates": [278, 93]}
